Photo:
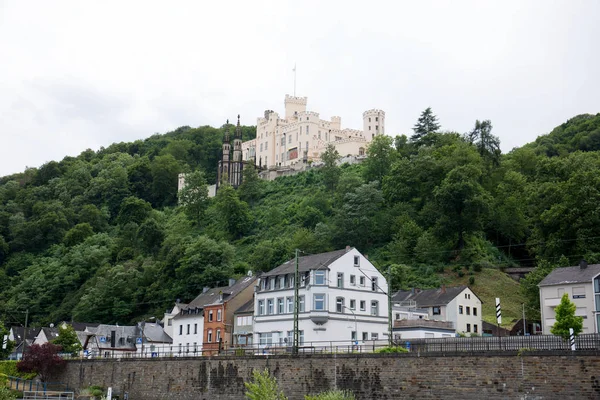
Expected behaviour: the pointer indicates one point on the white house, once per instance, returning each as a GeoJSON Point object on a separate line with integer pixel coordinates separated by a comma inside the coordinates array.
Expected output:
{"type": "Point", "coordinates": [342, 297]}
{"type": "Point", "coordinates": [422, 329]}
{"type": "Point", "coordinates": [582, 284]}
{"type": "Point", "coordinates": [459, 305]}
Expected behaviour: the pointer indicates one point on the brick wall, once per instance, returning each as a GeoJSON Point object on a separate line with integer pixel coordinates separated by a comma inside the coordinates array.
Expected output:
{"type": "Point", "coordinates": [558, 375]}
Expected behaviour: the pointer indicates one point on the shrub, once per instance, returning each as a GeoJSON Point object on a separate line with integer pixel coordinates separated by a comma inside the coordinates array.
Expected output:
{"type": "Point", "coordinates": [263, 387]}
{"type": "Point", "coordinates": [332, 395]}
{"type": "Point", "coordinates": [391, 350]}
{"type": "Point", "coordinates": [7, 394]}
{"type": "Point", "coordinates": [477, 267]}
{"type": "Point", "coordinates": [471, 281]}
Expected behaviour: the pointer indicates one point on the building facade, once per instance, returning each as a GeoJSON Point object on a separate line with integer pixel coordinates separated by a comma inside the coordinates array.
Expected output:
{"type": "Point", "coordinates": [342, 297]}
{"type": "Point", "coordinates": [582, 284]}
{"type": "Point", "coordinates": [302, 136]}
{"type": "Point", "coordinates": [458, 305]}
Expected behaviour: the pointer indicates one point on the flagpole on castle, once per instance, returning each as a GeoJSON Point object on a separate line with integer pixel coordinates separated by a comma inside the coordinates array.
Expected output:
{"type": "Point", "coordinates": [294, 79]}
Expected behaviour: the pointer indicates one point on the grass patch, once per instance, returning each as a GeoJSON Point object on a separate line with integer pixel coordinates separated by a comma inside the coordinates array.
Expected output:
{"type": "Point", "coordinates": [489, 284]}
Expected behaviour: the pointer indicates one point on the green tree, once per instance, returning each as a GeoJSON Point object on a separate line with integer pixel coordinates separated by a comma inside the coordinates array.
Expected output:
{"type": "Point", "coordinates": [263, 387]}
{"type": "Point", "coordinates": [425, 126]}
{"type": "Point", "coordinates": [331, 172]}
{"type": "Point", "coordinates": [530, 289]}
{"type": "Point", "coordinates": [9, 345]}
{"type": "Point", "coordinates": [4, 249]}
{"type": "Point", "coordinates": [68, 341]}
{"type": "Point", "coordinates": [234, 213]}
{"type": "Point", "coordinates": [193, 197]}
{"type": "Point", "coordinates": [165, 172]}
{"type": "Point", "coordinates": [78, 234]}
{"type": "Point", "coordinates": [565, 319]}
{"type": "Point", "coordinates": [380, 156]}
{"type": "Point", "coordinates": [251, 188]}
{"type": "Point", "coordinates": [133, 210]}
{"type": "Point", "coordinates": [487, 144]}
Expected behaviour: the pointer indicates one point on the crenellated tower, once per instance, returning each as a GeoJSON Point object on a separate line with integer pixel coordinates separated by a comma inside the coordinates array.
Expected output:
{"type": "Point", "coordinates": [373, 123]}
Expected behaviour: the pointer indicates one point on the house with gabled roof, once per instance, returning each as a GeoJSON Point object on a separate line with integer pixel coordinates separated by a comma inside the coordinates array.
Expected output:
{"type": "Point", "coordinates": [243, 326]}
{"type": "Point", "coordinates": [342, 298]}
{"type": "Point", "coordinates": [22, 338]}
{"type": "Point", "coordinates": [206, 324]}
{"type": "Point", "coordinates": [458, 305]}
{"type": "Point", "coordinates": [582, 284]}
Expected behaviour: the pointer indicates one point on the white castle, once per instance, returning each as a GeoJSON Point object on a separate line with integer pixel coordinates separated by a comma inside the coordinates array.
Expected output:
{"type": "Point", "coordinates": [302, 136]}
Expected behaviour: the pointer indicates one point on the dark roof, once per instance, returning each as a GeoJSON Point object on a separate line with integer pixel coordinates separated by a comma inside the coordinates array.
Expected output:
{"type": "Point", "coordinates": [212, 296]}
{"type": "Point", "coordinates": [19, 333]}
{"type": "Point", "coordinates": [429, 297]}
{"type": "Point", "coordinates": [246, 308]}
{"type": "Point", "coordinates": [51, 333]}
{"type": "Point", "coordinates": [103, 335]}
{"type": "Point", "coordinates": [561, 276]}
{"type": "Point", "coordinates": [307, 263]}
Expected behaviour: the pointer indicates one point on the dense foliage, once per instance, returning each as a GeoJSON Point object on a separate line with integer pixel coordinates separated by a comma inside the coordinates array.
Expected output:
{"type": "Point", "coordinates": [101, 237]}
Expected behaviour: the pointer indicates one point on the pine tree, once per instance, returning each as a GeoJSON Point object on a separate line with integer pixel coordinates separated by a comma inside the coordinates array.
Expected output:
{"type": "Point", "coordinates": [565, 319]}
{"type": "Point", "coordinates": [427, 124]}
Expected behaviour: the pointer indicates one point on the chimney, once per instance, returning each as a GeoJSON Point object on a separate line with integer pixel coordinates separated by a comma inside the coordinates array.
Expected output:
{"type": "Point", "coordinates": [231, 282]}
{"type": "Point", "coordinates": [367, 256]}
{"type": "Point", "coordinates": [348, 248]}
{"type": "Point", "coordinates": [582, 264]}
{"type": "Point", "coordinates": [443, 288]}
{"type": "Point", "coordinates": [205, 289]}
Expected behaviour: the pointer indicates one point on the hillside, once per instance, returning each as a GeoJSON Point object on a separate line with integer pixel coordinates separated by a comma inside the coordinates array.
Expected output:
{"type": "Point", "coordinates": [100, 237]}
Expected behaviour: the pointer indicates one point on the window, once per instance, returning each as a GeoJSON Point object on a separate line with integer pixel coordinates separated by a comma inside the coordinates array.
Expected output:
{"type": "Point", "coordinates": [263, 283]}
{"type": "Point", "coordinates": [475, 328]}
{"type": "Point", "coordinates": [266, 145]}
{"type": "Point", "coordinates": [369, 119]}
{"type": "Point", "coordinates": [468, 310]}
{"type": "Point", "coordinates": [319, 277]}
{"type": "Point", "coordinates": [362, 281]}
{"type": "Point", "coordinates": [397, 316]}
{"type": "Point", "coordinates": [373, 283]}
{"type": "Point", "coordinates": [209, 336]}
{"type": "Point", "coordinates": [307, 129]}
{"type": "Point", "coordinates": [376, 119]}
{"type": "Point", "coordinates": [219, 315]}
{"type": "Point", "coordinates": [436, 310]}
{"type": "Point", "coordinates": [374, 336]}
{"type": "Point", "coordinates": [352, 280]}
{"type": "Point", "coordinates": [365, 336]}
{"type": "Point", "coordinates": [195, 347]}
{"type": "Point", "coordinates": [188, 329]}
{"type": "Point", "coordinates": [265, 339]}
{"type": "Point", "coordinates": [597, 298]}
{"type": "Point", "coordinates": [195, 329]}
{"type": "Point", "coordinates": [282, 282]}
{"type": "Point", "coordinates": [468, 327]}
{"type": "Point", "coordinates": [270, 306]}
{"type": "Point", "coordinates": [339, 304]}
{"type": "Point", "coordinates": [356, 261]}
{"type": "Point", "coordinates": [291, 281]}
{"type": "Point", "coordinates": [319, 302]}
{"type": "Point", "coordinates": [301, 304]}
{"type": "Point", "coordinates": [340, 280]}
{"type": "Point", "coordinates": [353, 304]}
{"type": "Point", "coordinates": [374, 307]}
{"type": "Point", "coordinates": [465, 295]}
{"type": "Point", "coordinates": [475, 311]}
{"type": "Point", "coordinates": [290, 139]}
{"type": "Point", "coordinates": [272, 283]}
{"type": "Point", "coordinates": [170, 322]}
{"type": "Point", "coordinates": [261, 147]}
{"type": "Point", "coordinates": [363, 305]}
{"type": "Point", "coordinates": [210, 316]}
{"type": "Point", "coordinates": [579, 292]}
{"type": "Point", "coordinates": [290, 304]}
{"type": "Point", "coordinates": [353, 335]}
{"type": "Point", "coordinates": [218, 335]}
{"type": "Point", "coordinates": [181, 329]}
{"type": "Point", "coordinates": [261, 307]}
{"type": "Point", "coordinates": [460, 309]}
{"type": "Point", "coordinates": [369, 127]}
{"type": "Point", "coordinates": [280, 309]}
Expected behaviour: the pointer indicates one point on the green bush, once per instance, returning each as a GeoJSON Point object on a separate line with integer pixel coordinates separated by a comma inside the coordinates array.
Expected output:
{"type": "Point", "coordinates": [332, 395]}
{"type": "Point", "coordinates": [7, 394]}
{"type": "Point", "coordinates": [9, 368]}
{"type": "Point", "coordinates": [391, 350]}
{"type": "Point", "coordinates": [471, 281]}
{"type": "Point", "coordinates": [263, 387]}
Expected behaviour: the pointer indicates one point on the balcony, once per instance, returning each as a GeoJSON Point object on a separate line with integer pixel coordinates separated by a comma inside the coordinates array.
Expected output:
{"type": "Point", "coordinates": [319, 317]}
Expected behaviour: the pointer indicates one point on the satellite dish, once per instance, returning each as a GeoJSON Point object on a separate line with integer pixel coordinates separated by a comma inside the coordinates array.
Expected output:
{"type": "Point", "coordinates": [51, 325]}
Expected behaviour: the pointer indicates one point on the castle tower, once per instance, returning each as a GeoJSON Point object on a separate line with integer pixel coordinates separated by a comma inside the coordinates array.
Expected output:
{"type": "Point", "coordinates": [225, 160]}
{"type": "Point", "coordinates": [294, 105]}
{"type": "Point", "coordinates": [235, 177]}
{"type": "Point", "coordinates": [373, 123]}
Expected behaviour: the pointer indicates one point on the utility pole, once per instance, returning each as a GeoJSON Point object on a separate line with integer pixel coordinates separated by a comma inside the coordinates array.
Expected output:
{"type": "Point", "coordinates": [25, 331]}
{"type": "Point", "coordinates": [389, 293]}
{"type": "Point", "coordinates": [524, 322]}
{"type": "Point", "coordinates": [296, 302]}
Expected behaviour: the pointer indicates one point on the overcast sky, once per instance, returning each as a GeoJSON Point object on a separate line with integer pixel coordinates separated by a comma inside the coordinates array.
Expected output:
{"type": "Point", "coordinates": [82, 74]}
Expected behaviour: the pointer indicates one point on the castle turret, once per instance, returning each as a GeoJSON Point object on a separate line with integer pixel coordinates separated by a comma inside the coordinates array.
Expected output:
{"type": "Point", "coordinates": [237, 142]}
{"type": "Point", "coordinates": [294, 106]}
{"type": "Point", "coordinates": [373, 123]}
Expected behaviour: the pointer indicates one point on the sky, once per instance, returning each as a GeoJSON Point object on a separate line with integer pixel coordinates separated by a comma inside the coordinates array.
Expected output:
{"type": "Point", "coordinates": [84, 74]}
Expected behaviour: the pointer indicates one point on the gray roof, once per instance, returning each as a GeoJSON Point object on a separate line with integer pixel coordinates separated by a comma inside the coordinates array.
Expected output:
{"type": "Point", "coordinates": [155, 333]}
{"type": "Point", "coordinates": [51, 333]}
{"type": "Point", "coordinates": [128, 333]}
{"type": "Point", "coordinates": [19, 333]}
{"type": "Point", "coordinates": [246, 308]}
{"type": "Point", "coordinates": [307, 263]}
{"type": "Point", "coordinates": [212, 296]}
{"type": "Point", "coordinates": [430, 297]}
{"type": "Point", "coordinates": [566, 275]}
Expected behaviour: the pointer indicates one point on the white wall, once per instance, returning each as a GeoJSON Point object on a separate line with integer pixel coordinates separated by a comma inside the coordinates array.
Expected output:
{"type": "Point", "coordinates": [550, 297]}
{"type": "Point", "coordinates": [185, 340]}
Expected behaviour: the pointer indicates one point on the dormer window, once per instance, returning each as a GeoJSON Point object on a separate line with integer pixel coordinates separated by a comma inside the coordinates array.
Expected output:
{"type": "Point", "coordinates": [319, 278]}
{"type": "Point", "coordinates": [356, 261]}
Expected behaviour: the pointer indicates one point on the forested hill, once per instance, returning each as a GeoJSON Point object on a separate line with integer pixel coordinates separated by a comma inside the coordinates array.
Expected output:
{"type": "Point", "coordinates": [100, 238]}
